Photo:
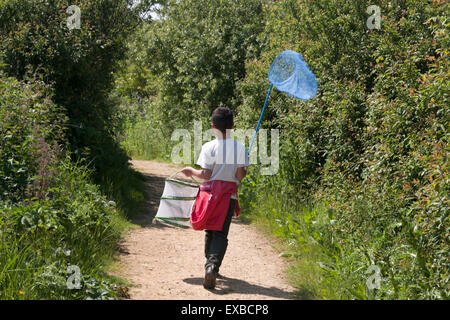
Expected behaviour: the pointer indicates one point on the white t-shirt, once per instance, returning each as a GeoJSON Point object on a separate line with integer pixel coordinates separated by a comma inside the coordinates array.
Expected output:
{"type": "Point", "coordinates": [223, 157]}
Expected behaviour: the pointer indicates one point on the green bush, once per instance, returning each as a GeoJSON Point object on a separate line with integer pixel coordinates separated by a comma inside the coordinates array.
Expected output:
{"type": "Point", "coordinates": [371, 145]}
{"type": "Point", "coordinates": [31, 136]}
{"type": "Point", "coordinates": [190, 61]}
{"type": "Point", "coordinates": [79, 64]}
{"type": "Point", "coordinates": [60, 162]}
{"type": "Point", "coordinates": [74, 226]}
{"type": "Point", "coordinates": [51, 214]}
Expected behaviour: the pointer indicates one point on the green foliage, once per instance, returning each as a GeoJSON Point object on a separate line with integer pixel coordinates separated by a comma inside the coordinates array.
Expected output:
{"type": "Point", "coordinates": [372, 141]}
{"type": "Point", "coordinates": [31, 131]}
{"type": "Point", "coordinates": [78, 64]}
{"type": "Point", "coordinates": [192, 58]}
{"type": "Point", "coordinates": [51, 215]}
{"type": "Point", "coordinates": [40, 238]}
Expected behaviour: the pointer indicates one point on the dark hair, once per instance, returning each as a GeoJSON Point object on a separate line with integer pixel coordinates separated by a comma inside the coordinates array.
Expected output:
{"type": "Point", "coordinates": [222, 118]}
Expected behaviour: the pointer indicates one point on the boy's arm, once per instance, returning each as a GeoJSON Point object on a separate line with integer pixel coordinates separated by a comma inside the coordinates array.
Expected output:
{"type": "Point", "coordinates": [202, 174]}
{"type": "Point", "coordinates": [204, 161]}
{"type": "Point", "coordinates": [243, 163]}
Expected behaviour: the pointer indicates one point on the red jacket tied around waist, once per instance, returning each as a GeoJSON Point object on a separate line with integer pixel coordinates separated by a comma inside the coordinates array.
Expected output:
{"type": "Point", "coordinates": [211, 205]}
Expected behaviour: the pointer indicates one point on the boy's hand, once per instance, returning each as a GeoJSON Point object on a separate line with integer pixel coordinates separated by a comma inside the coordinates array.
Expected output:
{"type": "Point", "coordinates": [187, 171]}
{"type": "Point", "coordinates": [202, 174]}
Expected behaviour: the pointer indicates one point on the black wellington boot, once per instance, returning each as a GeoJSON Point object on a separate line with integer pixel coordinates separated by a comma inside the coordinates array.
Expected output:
{"type": "Point", "coordinates": [210, 277]}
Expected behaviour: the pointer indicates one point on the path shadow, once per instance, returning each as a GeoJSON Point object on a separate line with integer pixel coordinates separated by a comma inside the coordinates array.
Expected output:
{"type": "Point", "coordinates": [241, 220]}
{"type": "Point", "coordinates": [226, 285]}
{"type": "Point", "coordinates": [153, 189]}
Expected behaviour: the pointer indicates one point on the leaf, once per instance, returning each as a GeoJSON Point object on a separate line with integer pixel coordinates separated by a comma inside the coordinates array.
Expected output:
{"type": "Point", "coordinates": [286, 254]}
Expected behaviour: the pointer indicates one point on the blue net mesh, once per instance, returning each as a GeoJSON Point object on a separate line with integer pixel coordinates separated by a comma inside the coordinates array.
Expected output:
{"type": "Point", "coordinates": [290, 74]}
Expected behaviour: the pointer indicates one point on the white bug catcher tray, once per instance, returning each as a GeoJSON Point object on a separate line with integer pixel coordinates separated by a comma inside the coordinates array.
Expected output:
{"type": "Point", "coordinates": [176, 202]}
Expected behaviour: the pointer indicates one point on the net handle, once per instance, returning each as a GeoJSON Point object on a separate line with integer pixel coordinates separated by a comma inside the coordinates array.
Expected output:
{"type": "Point", "coordinates": [260, 118]}
{"type": "Point", "coordinates": [174, 174]}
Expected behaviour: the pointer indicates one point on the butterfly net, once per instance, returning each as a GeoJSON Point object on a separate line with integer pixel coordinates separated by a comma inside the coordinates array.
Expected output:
{"type": "Point", "coordinates": [290, 74]}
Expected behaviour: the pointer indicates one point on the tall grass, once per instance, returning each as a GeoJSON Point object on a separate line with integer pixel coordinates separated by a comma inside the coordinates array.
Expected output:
{"type": "Point", "coordinates": [145, 140]}
{"type": "Point", "coordinates": [321, 266]}
{"type": "Point", "coordinates": [15, 269]}
{"type": "Point", "coordinates": [42, 239]}
{"type": "Point", "coordinates": [146, 131]}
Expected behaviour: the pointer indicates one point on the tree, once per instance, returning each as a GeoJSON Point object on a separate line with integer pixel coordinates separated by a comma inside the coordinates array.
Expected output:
{"type": "Point", "coordinates": [196, 53]}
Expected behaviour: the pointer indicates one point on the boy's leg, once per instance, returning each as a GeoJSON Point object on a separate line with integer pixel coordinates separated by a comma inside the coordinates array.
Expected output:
{"type": "Point", "coordinates": [208, 239]}
{"type": "Point", "coordinates": [216, 242]}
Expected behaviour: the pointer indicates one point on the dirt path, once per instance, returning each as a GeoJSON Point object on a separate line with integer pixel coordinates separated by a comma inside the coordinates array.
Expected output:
{"type": "Point", "coordinates": [165, 262]}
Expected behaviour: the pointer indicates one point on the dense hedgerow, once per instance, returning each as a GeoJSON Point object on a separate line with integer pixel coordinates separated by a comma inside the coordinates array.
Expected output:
{"type": "Point", "coordinates": [75, 226]}
{"type": "Point", "coordinates": [191, 59]}
{"type": "Point", "coordinates": [32, 134]}
{"type": "Point", "coordinates": [58, 153]}
{"type": "Point", "coordinates": [372, 145]}
{"type": "Point", "coordinates": [51, 215]}
{"type": "Point", "coordinates": [78, 63]}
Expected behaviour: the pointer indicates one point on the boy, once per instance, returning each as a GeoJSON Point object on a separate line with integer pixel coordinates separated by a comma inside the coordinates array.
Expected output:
{"type": "Point", "coordinates": [224, 163]}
